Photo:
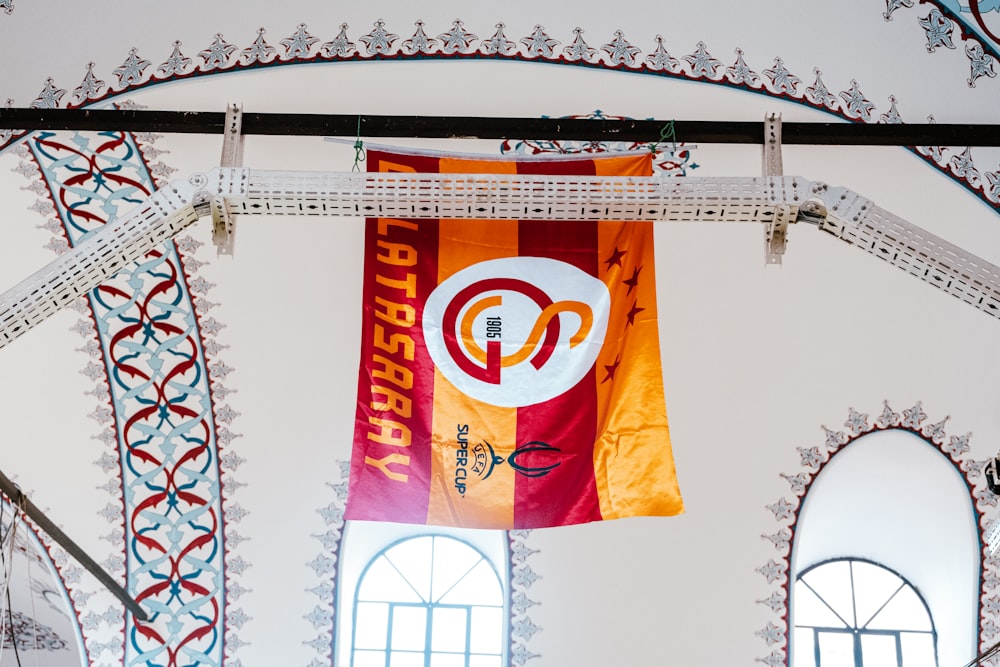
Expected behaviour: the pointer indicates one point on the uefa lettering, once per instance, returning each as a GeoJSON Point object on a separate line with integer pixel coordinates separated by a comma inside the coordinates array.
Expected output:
{"type": "Point", "coordinates": [544, 458]}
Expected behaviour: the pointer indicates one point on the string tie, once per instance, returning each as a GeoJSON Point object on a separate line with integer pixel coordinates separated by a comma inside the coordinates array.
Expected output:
{"type": "Point", "coordinates": [359, 149]}
{"type": "Point", "coordinates": [667, 133]}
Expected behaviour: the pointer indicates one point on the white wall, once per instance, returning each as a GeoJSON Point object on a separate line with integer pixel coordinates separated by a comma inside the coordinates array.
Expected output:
{"type": "Point", "coordinates": [756, 359]}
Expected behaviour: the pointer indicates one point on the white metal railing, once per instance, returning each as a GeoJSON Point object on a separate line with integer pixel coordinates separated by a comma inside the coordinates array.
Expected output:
{"type": "Point", "coordinates": [512, 196]}
{"type": "Point", "coordinates": [766, 200]}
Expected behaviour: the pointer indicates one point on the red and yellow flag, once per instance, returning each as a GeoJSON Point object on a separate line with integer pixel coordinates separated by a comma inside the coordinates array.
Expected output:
{"type": "Point", "coordinates": [510, 370]}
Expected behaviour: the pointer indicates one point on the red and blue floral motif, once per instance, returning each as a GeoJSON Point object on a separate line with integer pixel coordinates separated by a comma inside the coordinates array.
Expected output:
{"type": "Point", "coordinates": [160, 402]}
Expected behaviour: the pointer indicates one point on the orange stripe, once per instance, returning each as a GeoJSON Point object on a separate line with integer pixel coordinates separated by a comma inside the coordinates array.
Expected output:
{"type": "Point", "coordinates": [633, 461]}
{"type": "Point", "coordinates": [486, 503]}
{"type": "Point", "coordinates": [467, 242]}
{"type": "Point", "coordinates": [624, 165]}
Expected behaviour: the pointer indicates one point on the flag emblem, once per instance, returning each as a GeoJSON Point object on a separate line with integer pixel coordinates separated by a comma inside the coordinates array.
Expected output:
{"type": "Point", "coordinates": [516, 331]}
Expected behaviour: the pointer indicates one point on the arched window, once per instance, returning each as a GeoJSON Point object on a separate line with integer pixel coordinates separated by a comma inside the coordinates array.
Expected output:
{"type": "Point", "coordinates": [429, 601]}
{"type": "Point", "coordinates": [870, 501]}
{"type": "Point", "coordinates": [856, 613]}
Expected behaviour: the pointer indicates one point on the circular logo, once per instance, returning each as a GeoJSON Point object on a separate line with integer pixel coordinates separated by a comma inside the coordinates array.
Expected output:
{"type": "Point", "coordinates": [516, 331]}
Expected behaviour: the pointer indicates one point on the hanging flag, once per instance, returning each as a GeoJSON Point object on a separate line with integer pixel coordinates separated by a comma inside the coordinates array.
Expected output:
{"type": "Point", "coordinates": [510, 370]}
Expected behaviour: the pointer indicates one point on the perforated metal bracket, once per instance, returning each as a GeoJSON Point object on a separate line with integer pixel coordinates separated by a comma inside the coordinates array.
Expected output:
{"type": "Point", "coordinates": [857, 221]}
{"type": "Point", "coordinates": [844, 205]}
{"type": "Point", "coordinates": [223, 218]}
{"type": "Point", "coordinates": [103, 254]}
{"type": "Point", "coordinates": [232, 184]}
{"type": "Point", "coordinates": [813, 210]}
{"type": "Point", "coordinates": [228, 187]}
{"type": "Point", "coordinates": [774, 201]}
{"type": "Point", "coordinates": [776, 231]}
{"type": "Point", "coordinates": [771, 150]}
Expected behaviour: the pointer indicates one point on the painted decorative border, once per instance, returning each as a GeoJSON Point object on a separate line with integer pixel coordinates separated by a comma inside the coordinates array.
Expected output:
{"type": "Point", "coordinates": [939, 28]}
{"type": "Point", "coordinates": [813, 459]}
{"type": "Point", "coordinates": [323, 616]}
{"type": "Point", "coordinates": [166, 439]}
{"type": "Point", "coordinates": [456, 43]}
{"type": "Point", "coordinates": [325, 565]}
{"type": "Point", "coordinates": [28, 634]}
{"type": "Point", "coordinates": [90, 606]}
{"type": "Point", "coordinates": [522, 578]}
{"type": "Point", "coordinates": [79, 179]}
{"type": "Point", "coordinates": [942, 27]}
{"type": "Point", "coordinates": [136, 73]}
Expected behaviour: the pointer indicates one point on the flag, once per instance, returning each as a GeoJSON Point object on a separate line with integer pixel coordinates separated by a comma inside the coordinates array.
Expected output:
{"type": "Point", "coordinates": [510, 370]}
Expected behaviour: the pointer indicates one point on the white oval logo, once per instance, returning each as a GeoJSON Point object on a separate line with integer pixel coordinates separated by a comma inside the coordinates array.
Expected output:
{"type": "Point", "coordinates": [516, 331]}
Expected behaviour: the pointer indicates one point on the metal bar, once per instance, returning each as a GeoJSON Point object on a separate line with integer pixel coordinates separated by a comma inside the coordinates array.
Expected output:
{"type": "Point", "coordinates": [17, 498]}
{"type": "Point", "coordinates": [457, 127]}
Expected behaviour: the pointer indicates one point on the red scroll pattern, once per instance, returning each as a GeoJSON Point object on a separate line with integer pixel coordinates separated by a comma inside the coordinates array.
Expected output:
{"type": "Point", "coordinates": [160, 393]}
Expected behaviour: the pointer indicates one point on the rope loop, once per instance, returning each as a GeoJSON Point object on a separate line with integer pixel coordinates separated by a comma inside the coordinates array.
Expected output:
{"type": "Point", "coordinates": [667, 133]}
{"type": "Point", "coordinates": [359, 149]}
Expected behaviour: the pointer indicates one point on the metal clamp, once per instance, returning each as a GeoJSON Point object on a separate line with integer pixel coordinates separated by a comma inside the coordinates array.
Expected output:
{"type": "Point", "coordinates": [223, 219]}
{"type": "Point", "coordinates": [776, 231]}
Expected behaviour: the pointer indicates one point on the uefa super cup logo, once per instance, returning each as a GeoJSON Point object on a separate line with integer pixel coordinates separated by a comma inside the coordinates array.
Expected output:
{"type": "Point", "coordinates": [516, 331]}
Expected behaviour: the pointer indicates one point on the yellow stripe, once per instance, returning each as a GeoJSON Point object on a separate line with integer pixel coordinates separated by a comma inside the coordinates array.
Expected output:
{"type": "Point", "coordinates": [624, 165]}
{"type": "Point", "coordinates": [466, 242]}
{"type": "Point", "coordinates": [633, 460]}
{"type": "Point", "coordinates": [487, 503]}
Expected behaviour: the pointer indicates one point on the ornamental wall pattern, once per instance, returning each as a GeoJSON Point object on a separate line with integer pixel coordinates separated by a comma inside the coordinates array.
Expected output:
{"type": "Point", "coordinates": [160, 305]}
{"type": "Point", "coordinates": [176, 546]}
{"type": "Point", "coordinates": [165, 455]}
{"type": "Point", "coordinates": [943, 27]}
{"type": "Point", "coordinates": [785, 511]}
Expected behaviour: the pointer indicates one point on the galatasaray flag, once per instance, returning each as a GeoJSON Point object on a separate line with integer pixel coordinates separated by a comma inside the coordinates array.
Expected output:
{"type": "Point", "coordinates": [510, 370]}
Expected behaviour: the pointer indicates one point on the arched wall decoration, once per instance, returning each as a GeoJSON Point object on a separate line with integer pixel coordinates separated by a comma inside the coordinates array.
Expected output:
{"type": "Point", "coordinates": [24, 633]}
{"type": "Point", "coordinates": [64, 573]}
{"type": "Point", "coordinates": [136, 73]}
{"type": "Point", "coordinates": [158, 379]}
{"type": "Point", "coordinates": [522, 578]}
{"type": "Point", "coordinates": [118, 170]}
{"type": "Point", "coordinates": [939, 33]}
{"type": "Point", "coordinates": [323, 617]}
{"type": "Point", "coordinates": [813, 459]}
{"type": "Point", "coordinates": [939, 27]}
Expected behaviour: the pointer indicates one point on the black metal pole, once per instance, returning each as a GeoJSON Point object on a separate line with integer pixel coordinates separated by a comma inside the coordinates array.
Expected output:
{"type": "Point", "coordinates": [456, 127]}
{"type": "Point", "coordinates": [17, 498]}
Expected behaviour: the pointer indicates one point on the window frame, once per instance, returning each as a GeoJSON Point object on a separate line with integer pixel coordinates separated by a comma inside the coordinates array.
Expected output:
{"type": "Point", "coordinates": [364, 542]}
{"type": "Point", "coordinates": [851, 628]}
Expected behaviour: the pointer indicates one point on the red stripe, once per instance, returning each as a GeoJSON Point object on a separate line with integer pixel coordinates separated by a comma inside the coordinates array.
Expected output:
{"type": "Point", "coordinates": [372, 495]}
{"type": "Point", "coordinates": [977, 13]}
{"type": "Point", "coordinates": [568, 493]}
